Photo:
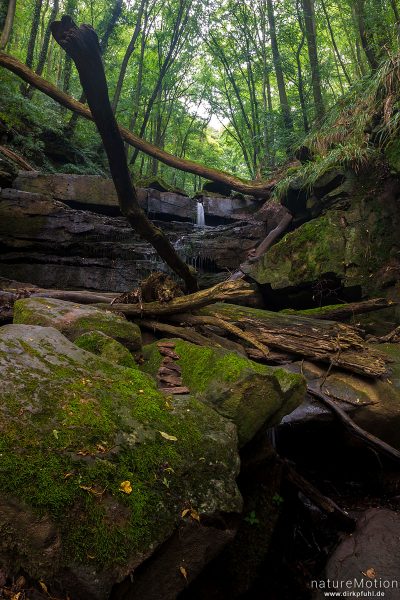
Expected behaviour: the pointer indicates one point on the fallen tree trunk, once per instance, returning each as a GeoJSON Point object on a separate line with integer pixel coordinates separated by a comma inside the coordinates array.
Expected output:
{"type": "Point", "coordinates": [18, 160]}
{"type": "Point", "coordinates": [227, 290]}
{"type": "Point", "coordinates": [342, 312]}
{"type": "Point", "coordinates": [82, 45]}
{"type": "Point", "coordinates": [257, 189]}
{"type": "Point", "coordinates": [322, 341]}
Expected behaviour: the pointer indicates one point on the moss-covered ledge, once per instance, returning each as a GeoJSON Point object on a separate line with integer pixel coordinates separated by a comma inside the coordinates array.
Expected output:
{"type": "Point", "coordinates": [94, 451]}
{"type": "Point", "coordinates": [74, 319]}
{"type": "Point", "coordinates": [250, 394]}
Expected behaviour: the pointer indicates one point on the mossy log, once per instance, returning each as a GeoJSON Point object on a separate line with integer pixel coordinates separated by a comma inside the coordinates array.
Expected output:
{"type": "Point", "coordinates": [325, 341]}
{"type": "Point", "coordinates": [227, 290]}
{"type": "Point", "coordinates": [341, 312]}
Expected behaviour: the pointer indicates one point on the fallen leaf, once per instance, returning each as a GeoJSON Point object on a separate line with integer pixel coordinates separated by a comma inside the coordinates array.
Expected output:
{"type": "Point", "coordinates": [185, 512]}
{"type": "Point", "coordinates": [168, 437]}
{"type": "Point", "coordinates": [183, 572]}
{"type": "Point", "coordinates": [67, 475]}
{"type": "Point", "coordinates": [55, 433]}
{"type": "Point", "coordinates": [194, 515]}
{"type": "Point", "coordinates": [43, 586]}
{"type": "Point", "coordinates": [16, 596]}
{"type": "Point", "coordinates": [126, 487]}
{"type": "Point", "coordinates": [370, 573]}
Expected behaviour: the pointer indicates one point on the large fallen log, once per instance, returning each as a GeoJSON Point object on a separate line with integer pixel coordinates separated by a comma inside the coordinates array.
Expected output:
{"type": "Point", "coordinates": [259, 189]}
{"type": "Point", "coordinates": [227, 290]}
{"type": "Point", "coordinates": [82, 45]}
{"type": "Point", "coordinates": [341, 312]}
{"type": "Point", "coordinates": [323, 341]}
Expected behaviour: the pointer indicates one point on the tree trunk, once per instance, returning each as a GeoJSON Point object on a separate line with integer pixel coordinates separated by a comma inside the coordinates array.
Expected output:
{"type": "Point", "coordinates": [46, 40]}
{"type": "Point", "coordinates": [129, 51]}
{"type": "Point", "coordinates": [365, 35]}
{"type": "Point", "coordinates": [83, 47]}
{"type": "Point", "coordinates": [8, 25]}
{"type": "Point", "coordinates": [33, 35]}
{"type": "Point", "coordinates": [309, 22]}
{"type": "Point", "coordinates": [322, 341]}
{"type": "Point", "coordinates": [285, 108]}
{"type": "Point", "coordinates": [259, 189]}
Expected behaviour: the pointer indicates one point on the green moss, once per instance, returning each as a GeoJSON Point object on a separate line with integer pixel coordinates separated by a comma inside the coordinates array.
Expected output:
{"type": "Point", "coordinates": [73, 431]}
{"type": "Point", "coordinates": [102, 345]}
{"type": "Point", "coordinates": [248, 393]}
{"type": "Point", "coordinates": [73, 319]}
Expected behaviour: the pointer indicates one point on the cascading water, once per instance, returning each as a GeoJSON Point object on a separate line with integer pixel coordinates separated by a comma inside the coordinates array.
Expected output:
{"type": "Point", "coordinates": [200, 219]}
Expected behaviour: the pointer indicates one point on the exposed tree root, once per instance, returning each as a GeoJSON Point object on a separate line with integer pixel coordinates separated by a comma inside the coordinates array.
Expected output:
{"type": "Point", "coordinates": [369, 439]}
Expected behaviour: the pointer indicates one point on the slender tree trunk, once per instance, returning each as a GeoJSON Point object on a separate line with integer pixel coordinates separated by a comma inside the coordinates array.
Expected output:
{"type": "Point", "coordinates": [285, 108]}
{"type": "Point", "coordinates": [365, 35]}
{"type": "Point", "coordinates": [309, 22]}
{"type": "Point", "coordinates": [71, 11]}
{"type": "Point", "coordinates": [33, 34]}
{"type": "Point", "coordinates": [129, 51]}
{"type": "Point", "coordinates": [8, 25]}
{"type": "Point", "coordinates": [179, 27]}
{"type": "Point", "coordinates": [334, 44]}
{"type": "Point", "coordinates": [109, 25]}
{"type": "Point", "coordinates": [46, 39]}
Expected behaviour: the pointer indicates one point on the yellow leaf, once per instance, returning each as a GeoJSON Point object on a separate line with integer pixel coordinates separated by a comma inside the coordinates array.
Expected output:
{"type": "Point", "coordinates": [183, 572]}
{"type": "Point", "coordinates": [16, 596]}
{"type": "Point", "coordinates": [370, 573]}
{"type": "Point", "coordinates": [168, 437]}
{"type": "Point", "coordinates": [43, 586]}
{"type": "Point", "coordinates": [126, 487]}
{"type": "Point", "coordinates": [195, 515]}
{"type": "Point", "coordinates": [185, 512]}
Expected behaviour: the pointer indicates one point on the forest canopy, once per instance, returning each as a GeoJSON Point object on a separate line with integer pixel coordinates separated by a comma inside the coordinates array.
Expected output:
{"type": "Point", "coordinates": [234, 85]}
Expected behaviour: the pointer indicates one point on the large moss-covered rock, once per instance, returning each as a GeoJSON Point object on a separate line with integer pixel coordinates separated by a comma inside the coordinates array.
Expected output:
{"type": "Point", "coordinates": [102, 345]}
{"type": "Point", "coordinates": [75, 319]}
{"type": "Point", "coordinates": [96, 466]}
{"type": "Point", "coordinates": [249, 394]}
{"type": "Point", "coordinates": [357, 242]}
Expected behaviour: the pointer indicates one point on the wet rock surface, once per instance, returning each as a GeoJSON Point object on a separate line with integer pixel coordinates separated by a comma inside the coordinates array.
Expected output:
{"type": "Point", "coordinates": [49, 244]}
{"type": "Point", "coordinates": [368, 560]}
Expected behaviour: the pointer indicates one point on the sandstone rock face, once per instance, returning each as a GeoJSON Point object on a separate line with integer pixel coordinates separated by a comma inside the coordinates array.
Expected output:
{"type": "Point", "coordinates": [249, 394]}
{"type": "Point", "coordinates": [368, 558]}
{"type": "Point", "coordinates": [97, 468]}
{"type": "Point", "coordinates": [73, 320]}
{"type": "Point", "coordinates": [356, 241]}
{"type": "Point", "coordinates": [47, 243]}
{"type": "Point", "coordinates": [93, 190]}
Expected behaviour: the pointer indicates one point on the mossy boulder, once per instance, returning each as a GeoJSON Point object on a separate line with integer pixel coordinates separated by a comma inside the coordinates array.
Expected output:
{"type": "Point", "coordinates": [356, 243]}
{"type": "Point", "coordinates": [102, 345]}
{"type": "Point", "coordinates": [75, 319]}
{"type": "Point", "coordinates": [251, 395]}
{"type": "Point", "coordinates": [96, 466]}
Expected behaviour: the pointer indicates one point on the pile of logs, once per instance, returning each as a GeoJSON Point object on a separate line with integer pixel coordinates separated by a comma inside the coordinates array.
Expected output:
{"type": "Point", "coordinates": [208, 317]}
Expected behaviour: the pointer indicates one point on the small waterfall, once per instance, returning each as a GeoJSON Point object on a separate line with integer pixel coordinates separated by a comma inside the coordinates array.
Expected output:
{"type": "Point", "coordinates": [200, 220]}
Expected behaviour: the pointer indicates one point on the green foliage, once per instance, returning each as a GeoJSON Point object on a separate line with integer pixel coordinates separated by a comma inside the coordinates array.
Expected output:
{"type": "Point", "coordinates": [217, 101]}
